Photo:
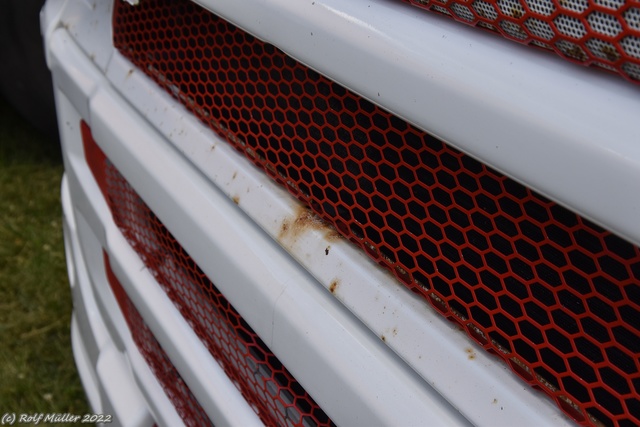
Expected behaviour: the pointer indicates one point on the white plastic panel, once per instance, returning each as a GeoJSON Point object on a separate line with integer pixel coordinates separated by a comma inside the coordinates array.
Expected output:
{"type": "Point", "coordinates": [363, 49]}
{"type": "Point", "coordinates": [567, 131]}
{"type": "Point", "coordinates": [123, 400]}
{"type": "Point", "coordinates": [109, 385]}
{"type": "Point", "coordinates": [484, 390]}
{"type": "Point", "coordinates": [347, 370]}
{"type": "Point", "coordinates": [86, 370]}
{"type": "Point", "coordinates": [87, 219]}
{"type": "Point", "coordinates": [206, 221]}
{"type": "Point", "coordinates": [89, 24]}
{"type": "Point", "coordinates": [217, 395]}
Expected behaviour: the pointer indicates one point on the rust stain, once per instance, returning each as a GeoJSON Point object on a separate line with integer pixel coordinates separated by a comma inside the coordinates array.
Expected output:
{"type": "Point", "coordinates": [383, 338]}
{"type": "Point", "coordinates": [305, 219]}
{"type": "Point", "coordinates": [236, 199]}
{"type": "Point", "coordinates": [284, 228]}
{"type": "Point", "coordinates": [394, 331]}
{"type": "Point", "coordinates": [302, 221]}
{"type": "Point", "coordinates": [610, 53]}
{"type": "Point", "coordinates": [130, 72]}
{"type": "Point", "coordinates": [470, 353]}
{"type": "Point", "coordinates": [577, 53]}
{"type": "Point", "coordinates": [333, 234]}
{"type": "Point", "coordinates": [333, 287]}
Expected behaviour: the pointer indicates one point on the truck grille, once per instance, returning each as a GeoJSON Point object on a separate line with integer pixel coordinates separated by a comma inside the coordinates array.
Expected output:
{"type": "Point", "coordinates": [274, 394]}
{"type": "Point", "coordinates": [603, 33]}
{"type": "Point", "coordinates": [174, 386]}
{"type": "Point", "coordinates": [552, 294]}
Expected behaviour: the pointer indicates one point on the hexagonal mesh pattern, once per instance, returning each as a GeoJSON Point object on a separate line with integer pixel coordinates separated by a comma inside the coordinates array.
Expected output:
{"type": "Point", "coordinates": [601, 33]}
{"type": "Point", "coordinates": [273, 393]}
{"type": "Point", "coordinates": [557, 297]}
{"type": "Point", "coordinates": [177, 390]}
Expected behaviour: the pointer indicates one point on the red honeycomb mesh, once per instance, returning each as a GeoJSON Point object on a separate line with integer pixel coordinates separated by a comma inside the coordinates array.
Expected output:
{"type": "Point", "coordinates": [602, 33]}
{"type": "Point", "coordinates": [174, 386]}
{"type": "Point", "coordinates": [273, 393]}
{"type": "Point", "coordinates": [555, 296]}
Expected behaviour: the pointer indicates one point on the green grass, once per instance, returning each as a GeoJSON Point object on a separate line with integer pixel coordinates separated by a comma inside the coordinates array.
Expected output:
{"type": "Point", "coordinates": [37, 371]}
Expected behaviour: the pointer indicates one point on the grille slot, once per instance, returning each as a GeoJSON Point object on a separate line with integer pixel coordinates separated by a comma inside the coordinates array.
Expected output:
{"type": "Point", "coordinates": [604, 34]}
{"type": "Point", "coordinates": [174, 386]}
{"type": "Point", "coordinates": [274, 394]}
{"type": "Point", "coordinates": [554, 295]}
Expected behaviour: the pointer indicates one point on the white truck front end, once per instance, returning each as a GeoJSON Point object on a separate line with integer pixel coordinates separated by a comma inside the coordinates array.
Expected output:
{"type": "Point", "coordinates": [353, 213]}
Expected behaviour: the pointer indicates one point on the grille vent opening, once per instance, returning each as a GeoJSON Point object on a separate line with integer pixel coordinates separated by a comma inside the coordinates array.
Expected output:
{"type": "Point", "coordinates": [603, 34]}
{"type": "Point", "coordinates": [554, 295]}
{"type": "Point", "coordinates": [168, 376]}
{"type": "Point", "coordinates": [273, 393]}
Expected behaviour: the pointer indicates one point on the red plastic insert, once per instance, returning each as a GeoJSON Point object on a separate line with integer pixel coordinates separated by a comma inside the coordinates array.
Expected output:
{"type": "Point", "coordinates": [274, 394]}
{"type": "Point", "coordinates": [602, 33]}
{"type": "Point", "coordinates": [555, 296]}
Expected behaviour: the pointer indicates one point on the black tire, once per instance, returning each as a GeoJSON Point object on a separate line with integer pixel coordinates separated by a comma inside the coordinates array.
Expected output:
{"type": "Point", "coordinates": [25, 80]}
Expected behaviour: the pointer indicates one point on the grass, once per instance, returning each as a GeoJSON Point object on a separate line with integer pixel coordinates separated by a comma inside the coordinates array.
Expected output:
{"type": "Point", "coordinates": [37, 371]}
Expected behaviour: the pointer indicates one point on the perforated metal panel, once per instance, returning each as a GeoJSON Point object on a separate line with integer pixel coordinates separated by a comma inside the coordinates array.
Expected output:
{"type": "Point", "coordinates": [602, 33]}
{"type": "Point", "coordinates": [274, 394]}
{"type": "Point", "coordinates": [555, 296]}
{"type": "Point", "coordinates": [176, 389]}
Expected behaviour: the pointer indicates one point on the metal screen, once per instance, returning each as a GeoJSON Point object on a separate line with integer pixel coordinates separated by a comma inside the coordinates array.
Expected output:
{"type": "Point", "coordinates": [603, 33]}
{"type": "Point", "coordinates": [274, 394]}
{"type": "Point", "coordinates": [552, 294]}
{"type": "Point", "coordinates": [169, 378]}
